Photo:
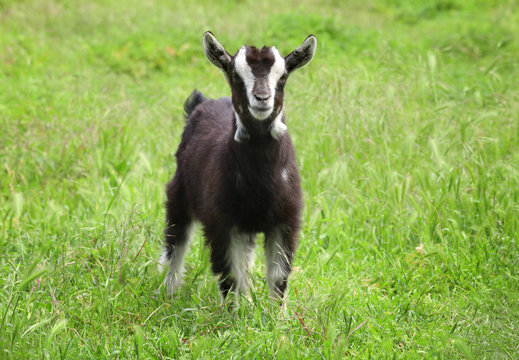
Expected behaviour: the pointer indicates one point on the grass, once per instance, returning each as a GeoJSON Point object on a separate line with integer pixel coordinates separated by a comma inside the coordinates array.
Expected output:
{"type": "Point", "coordinates": [406, 128]}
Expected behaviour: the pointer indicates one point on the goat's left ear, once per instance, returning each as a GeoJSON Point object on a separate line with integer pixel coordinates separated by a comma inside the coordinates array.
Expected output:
{"type": "Point", "coordinates": [302, 55]}
{"type": "Point", "coordinates": [215, 52]}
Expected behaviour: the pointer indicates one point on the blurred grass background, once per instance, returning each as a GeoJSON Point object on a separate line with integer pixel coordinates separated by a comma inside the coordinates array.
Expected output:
{"type": "Point", "coordinates": [406, 128]}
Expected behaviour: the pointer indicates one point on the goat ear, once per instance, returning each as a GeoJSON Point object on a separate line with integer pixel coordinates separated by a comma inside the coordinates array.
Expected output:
{"type": "Point", "coordinates": [215, 52]}
{"type": "Point", "coordinates": [302, 55]}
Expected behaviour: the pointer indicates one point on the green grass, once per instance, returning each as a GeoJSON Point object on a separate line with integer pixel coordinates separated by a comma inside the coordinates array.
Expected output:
{"type": "Point", "coordinates": [406, 128]}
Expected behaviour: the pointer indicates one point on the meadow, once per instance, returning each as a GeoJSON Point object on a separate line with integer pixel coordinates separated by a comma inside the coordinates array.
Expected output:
{"type": "Point", "coordinates": [406, 128]}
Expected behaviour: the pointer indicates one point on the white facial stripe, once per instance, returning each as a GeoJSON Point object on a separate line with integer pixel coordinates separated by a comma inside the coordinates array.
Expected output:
{"type": "Point", "coordinates": [243, 69]}
{"type": "Point", "coordinates": [276, 71]}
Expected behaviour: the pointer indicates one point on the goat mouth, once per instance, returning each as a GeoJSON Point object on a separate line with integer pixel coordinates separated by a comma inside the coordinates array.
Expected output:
{"type": "Point", "coordinates": [260, 112]}
{"type": "Point", "coordinates": [261, 108]}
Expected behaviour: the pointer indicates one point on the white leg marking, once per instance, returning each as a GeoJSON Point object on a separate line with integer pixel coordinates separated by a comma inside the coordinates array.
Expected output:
{"type": "Point", "coordinates": [241, 258]}
{"type": "Point", "coordinates": [175, 276]}
{"type": "Point", "coordinates": [277, 70]}
{"type": "Point", "coordinates": [277, 261]}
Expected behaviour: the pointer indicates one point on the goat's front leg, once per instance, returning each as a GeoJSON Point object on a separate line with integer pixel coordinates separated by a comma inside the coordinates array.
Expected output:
{"type": "Point", "coordinates": [232, 254]}
{"type": "Point", "coordinates": [280, 245]}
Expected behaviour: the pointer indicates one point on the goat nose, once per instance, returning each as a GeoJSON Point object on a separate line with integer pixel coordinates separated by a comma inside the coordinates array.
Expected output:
{"type": "Point", "coordinates": [262, 96]}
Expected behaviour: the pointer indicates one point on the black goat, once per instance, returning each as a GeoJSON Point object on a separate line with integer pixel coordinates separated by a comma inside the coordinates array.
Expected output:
{"type": "Point", "coordinates": [237, 172]}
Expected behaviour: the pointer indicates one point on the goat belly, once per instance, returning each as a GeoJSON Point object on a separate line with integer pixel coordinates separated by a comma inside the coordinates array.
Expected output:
{"type": "Point", "coordinates": [261, 208]}
{"type": "Point", "coordinates": [253, 219]}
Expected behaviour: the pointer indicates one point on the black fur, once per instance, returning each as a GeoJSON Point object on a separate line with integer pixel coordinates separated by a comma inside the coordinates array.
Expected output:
{"type": "Point", "coordinates": [300, 56]}
{"type": "Point", "coordinates": [195, 99]}
{"type": "Point", "coordinates": [225, 184]}
{"type": "Point", "coordinates": [235, 187]}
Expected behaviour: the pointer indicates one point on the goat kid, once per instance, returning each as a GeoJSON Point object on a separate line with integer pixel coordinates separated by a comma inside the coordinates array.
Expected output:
{"type": "Point", "coordinates": [236, 171]}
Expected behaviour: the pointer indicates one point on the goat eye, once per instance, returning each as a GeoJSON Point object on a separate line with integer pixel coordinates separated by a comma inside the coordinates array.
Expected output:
{"type": "Point", "coordinates": [235, 75]}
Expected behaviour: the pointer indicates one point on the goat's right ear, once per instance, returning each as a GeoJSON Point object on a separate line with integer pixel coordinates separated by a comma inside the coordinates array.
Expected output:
{"type": "Point", "coordinates": [215, 52]}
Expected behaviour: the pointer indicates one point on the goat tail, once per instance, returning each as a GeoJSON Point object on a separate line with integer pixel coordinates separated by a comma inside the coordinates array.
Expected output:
{"type": "Point", "coordinates": [195, 99]}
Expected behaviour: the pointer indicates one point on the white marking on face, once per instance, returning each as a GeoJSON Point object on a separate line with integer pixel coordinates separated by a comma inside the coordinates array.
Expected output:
{"type": "Point", "coordinates": [278, 128]}
{"type": "Point", "coordinates": [244, 71]}
{"type": "Point", "coordinates": [259, 110]}
{"type": "Point", "coordinates": [175, 265]}
{"type": "Point", "coordinates": [276, 261]}
{"type": "Point", "coordinates": [276, 71]}
{"type": "Point", "coordinates": [241, 257]}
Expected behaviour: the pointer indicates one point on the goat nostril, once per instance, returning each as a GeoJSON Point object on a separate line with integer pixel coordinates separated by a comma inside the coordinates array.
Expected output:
{"type": "Point", "coordinates": [262, 97]}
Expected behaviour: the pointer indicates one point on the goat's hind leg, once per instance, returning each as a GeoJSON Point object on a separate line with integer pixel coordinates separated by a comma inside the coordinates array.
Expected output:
{"type": "Point", "coordinates": [280, 246]}
{"type": "Point", "coordinates": [178, 234]}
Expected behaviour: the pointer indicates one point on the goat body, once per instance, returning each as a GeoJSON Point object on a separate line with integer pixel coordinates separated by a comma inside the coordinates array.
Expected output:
{"type": "Point", "coordinates": [237, 173]}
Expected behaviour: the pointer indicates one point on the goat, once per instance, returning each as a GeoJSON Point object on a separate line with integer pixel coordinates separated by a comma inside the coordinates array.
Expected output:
{"type": "Point", "coordinates": [237, 173]}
